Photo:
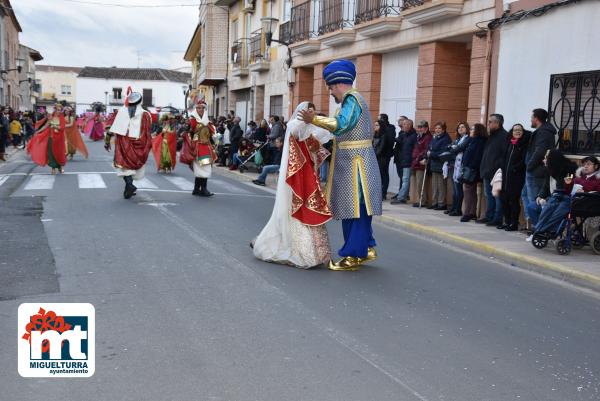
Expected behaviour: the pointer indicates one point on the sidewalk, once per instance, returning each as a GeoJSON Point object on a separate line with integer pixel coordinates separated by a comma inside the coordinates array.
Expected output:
{"type": "Point", "coordinates": [580, 267]}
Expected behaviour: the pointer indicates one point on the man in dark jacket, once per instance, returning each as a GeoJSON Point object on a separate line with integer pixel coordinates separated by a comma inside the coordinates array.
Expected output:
{"type": "Point", "coordinates": [405, 144]}
{"type": "Point", "coordinates": [235, 137]}
{"type": "Point", "coordinates": [386, 146]}
{"type": "Point", "coordinates": [419, 156]}
{"type": "Point", "coordinates": [541, 140]}
{"type": "Point", "coordinates": [491, 161]}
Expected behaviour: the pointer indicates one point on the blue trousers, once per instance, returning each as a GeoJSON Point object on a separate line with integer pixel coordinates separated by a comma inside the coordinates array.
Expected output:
{"type": "Point", "coordinates": [553, 213]}
{"type": "Point", "coordinates": [494, 206]}
{"type": "Point", "coordinates": [358, 235]}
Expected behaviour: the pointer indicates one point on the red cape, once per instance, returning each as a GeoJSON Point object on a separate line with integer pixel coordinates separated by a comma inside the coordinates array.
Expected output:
{"type": "Point", "coordinates": [157, 143]}
{"type": "Point", "coordinates": [74, 139]}
{"type": "Point", "coordinates": [132, 153]}
{"type": "Point", "coordinates": [38, 145]}
{"type": "Point", "coordinates": [308, 201]}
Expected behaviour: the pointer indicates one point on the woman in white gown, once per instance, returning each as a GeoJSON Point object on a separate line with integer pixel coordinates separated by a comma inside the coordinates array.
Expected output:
{"type": "Point", "coordinates": [296, 234]}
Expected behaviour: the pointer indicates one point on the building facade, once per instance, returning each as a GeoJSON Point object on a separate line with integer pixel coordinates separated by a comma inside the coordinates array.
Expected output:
{"type": "Point", "coordinates": [159, 87]}
{"type": "Point", "coordinates": [230, 56]}
{"type": "Point", "coordinates": [28, 88]}
{"type": "Point", "coordinates": [9, 56]}
{"type": "Point", "coordinates": [56, 84]}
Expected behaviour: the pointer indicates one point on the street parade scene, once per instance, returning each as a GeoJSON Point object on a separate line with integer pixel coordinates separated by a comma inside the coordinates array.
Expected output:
{"type": "Point", "coordinates": [300, 200]}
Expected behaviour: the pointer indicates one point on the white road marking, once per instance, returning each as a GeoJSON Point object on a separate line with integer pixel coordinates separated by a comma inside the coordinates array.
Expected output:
{"type": "Point", "coordinates": [3, 179]}
{"type": "Point", "coordinates": [40, 182]}
{"type": "Point", "coordinates": [180, 183]}
{"type": "Point", "coordinates": [89, 181]}
{"type": "Point", "coordinates": [226, 186]}
{"type": "Point", "coordinates": [144, 183]}
{"type": "Point", "coordinates": [177, 191]}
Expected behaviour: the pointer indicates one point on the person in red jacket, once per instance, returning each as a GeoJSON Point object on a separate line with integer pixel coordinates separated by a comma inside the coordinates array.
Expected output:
{"type": "Point", "coordinates": [587, 177]}
{"type": "Point", "coordinates": [419, 156]}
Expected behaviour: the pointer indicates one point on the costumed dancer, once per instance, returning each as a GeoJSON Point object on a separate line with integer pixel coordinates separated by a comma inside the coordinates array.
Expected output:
{"type": "Point", "coordinates": [133, 141]}
{"type": "Point", "coordinates": [97, 128]}
{"type": "Point", "coordinates": [73, 135]}
{"type": "Point", "coordinates": [354, 182]}
{"type": "Point", "coordinates": [48, 145]}
{"type": "Point", "coordinates": [164, 145]}
{"type": "Point", "coordinates": [198, 151]}
{"type": "Point", "coordinates": [296, 233]}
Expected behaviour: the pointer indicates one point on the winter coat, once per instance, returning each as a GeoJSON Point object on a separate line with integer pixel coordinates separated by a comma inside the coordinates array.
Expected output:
{"type": "Point", "coordinates": [388, 141]}
{"type": "Point", "coordinates": [589, 183]}
{"type": "Point", "coordinates": [236, 135]}
{"type": "Point", "coordinates": [513, 167]}
{"type": "Point", "coordinates": [472, 155]}
{"type": "Point", "coordinates": [438, 145]}
{"type": "Point", "coordinates": [405, 144]}
{"type": "Point", "coordinates": [420, 150]}
{"type": "Point", "coordinates": [541, 140]}
{"type": "Point", "coordinates": [493, 154]}
{"type": "Point", "coordinates": [457, 148]}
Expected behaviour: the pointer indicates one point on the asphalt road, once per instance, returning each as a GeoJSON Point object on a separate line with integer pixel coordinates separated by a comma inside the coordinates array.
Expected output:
{"type": "Point", "coordinates": [185, 312]}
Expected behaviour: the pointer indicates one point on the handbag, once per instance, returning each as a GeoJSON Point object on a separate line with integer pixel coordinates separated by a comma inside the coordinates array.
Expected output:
{"type": "Point", "coordinates": [468, 175]}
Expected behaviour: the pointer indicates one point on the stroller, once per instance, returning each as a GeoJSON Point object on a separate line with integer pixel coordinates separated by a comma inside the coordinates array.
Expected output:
{"type": "Point", "coordinates": [570, 232]}
{"type": "Point", "coordinates": [256, 159]}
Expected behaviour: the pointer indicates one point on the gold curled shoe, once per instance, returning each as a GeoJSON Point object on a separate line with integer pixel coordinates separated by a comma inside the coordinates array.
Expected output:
{"type": "Point", "coordinates": [371, 255]}
{"type": "Point", "coordinates": [348, 263]}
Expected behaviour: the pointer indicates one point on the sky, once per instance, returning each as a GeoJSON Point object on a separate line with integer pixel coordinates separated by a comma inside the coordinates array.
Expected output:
{"type": "Point", "coordinates": [70, 33]}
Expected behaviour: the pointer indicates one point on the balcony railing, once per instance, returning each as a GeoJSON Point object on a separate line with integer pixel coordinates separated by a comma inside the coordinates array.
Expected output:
{"type": "Point", "coordinates": [302, 23]}
{"type": "Point", "coordinates": [257, 47]}
{"type": "Point", "coordinates": [368, 10]}
{"type": "Point", "coordinates": [335, 15]}
{"type": "Point", "coordinates": [113, 100]}
{"type": "Point", "coordinates": [239, 53]}
{"type": "Point", "coordinates": [412, 3]}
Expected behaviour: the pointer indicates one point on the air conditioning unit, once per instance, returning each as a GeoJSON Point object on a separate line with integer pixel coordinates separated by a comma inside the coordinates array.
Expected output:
{"type": "Point", "coordinates": [249, 5]}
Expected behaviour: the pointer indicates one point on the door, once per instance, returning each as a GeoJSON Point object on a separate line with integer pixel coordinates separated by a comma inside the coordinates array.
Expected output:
{"type": "Point", "coordinates": [241, 110]}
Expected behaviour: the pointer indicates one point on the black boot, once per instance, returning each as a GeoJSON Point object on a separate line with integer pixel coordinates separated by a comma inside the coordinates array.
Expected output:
{"type": "Point", "coordinates": [196, 190]}
{"type": "Point", "coordinates": [203, 190]}
{"type": "Point", "coordinates": [129, 187]}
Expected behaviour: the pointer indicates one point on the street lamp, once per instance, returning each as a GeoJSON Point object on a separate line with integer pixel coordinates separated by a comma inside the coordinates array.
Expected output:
{"type": "Point", "coordinates": [269, 24]}
{"type": "Point", "coordinates": [19, 68]}
{"type": "Point", "coordinates": [106, 100]}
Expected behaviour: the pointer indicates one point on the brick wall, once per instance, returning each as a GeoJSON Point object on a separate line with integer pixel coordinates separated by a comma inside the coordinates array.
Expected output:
{"type": "Point", "coordinates": [443, 82]}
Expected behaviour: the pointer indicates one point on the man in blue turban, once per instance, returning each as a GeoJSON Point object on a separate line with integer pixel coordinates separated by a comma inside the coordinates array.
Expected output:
{"type": "Point", "coordinates": [354, 182]}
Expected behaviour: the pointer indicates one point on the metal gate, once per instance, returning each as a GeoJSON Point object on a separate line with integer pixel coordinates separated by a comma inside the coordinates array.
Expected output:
{"type": "Point", "coordinates": [574, 107]}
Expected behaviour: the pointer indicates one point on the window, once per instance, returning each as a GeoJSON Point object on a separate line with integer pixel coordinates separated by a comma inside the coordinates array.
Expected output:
{"type": "Point", "coordinates": [147, 100]}
{"type": "Point", "coordinates": [574, 109]}
{"type": "Point", "coordinates": [276, 105]}
{"type": "Point", "coordinates": [65, 89]}
{"type": "Point", "coordinates": [117, 93]}
{"type": "Point", "coordinates": [234, 31]}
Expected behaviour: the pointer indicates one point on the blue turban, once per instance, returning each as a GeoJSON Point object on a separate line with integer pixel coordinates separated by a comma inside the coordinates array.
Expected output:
{"type": "Point", "coordinates": [339, 72]}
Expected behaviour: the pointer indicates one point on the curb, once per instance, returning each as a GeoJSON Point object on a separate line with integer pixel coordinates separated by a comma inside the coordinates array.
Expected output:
{"type": "Point", "coordinates": [555, 270]}
{"type": "Point", "coordinates": [530, 263]}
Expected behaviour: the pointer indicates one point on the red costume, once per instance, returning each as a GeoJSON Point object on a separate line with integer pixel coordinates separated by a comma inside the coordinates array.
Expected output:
{"type": "Point", "coordinates": [309, 205]}
{"type": "Point", "coordinates": [52, 130]}
{"type": "Point", "coordinates": [169, 136]}
{"type": "Point", "coordinates": [131, 153]}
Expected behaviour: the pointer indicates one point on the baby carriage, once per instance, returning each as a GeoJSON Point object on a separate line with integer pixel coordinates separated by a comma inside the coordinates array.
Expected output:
{"type": "Point", "coordinates": [571, 232]}
{"type": "Point", "coordinates": [255, 159]}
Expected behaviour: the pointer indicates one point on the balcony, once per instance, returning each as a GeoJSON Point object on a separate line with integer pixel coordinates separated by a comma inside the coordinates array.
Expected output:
{"type": "Point", "coordinates": [303, 26]}
{"type": "Point", "coordinates": [285, 32]}
{"type": "Point", "coordinates": [336, 20]}
{"type": "Point", "coordinates": [378, 17]}
{"type": "Point", "coordinates": [259, 55]}
{"type": "Point", "coordinates": [239, 57]}
{"type": "Point", "coordinates": [421, 12]}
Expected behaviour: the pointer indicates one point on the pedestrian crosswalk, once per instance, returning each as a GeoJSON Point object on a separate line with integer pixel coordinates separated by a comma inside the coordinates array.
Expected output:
{"type": "Point", "coordinates": [42, 183]}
